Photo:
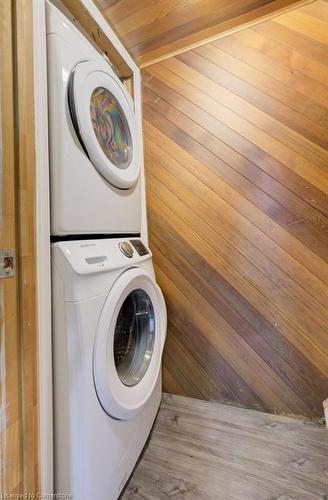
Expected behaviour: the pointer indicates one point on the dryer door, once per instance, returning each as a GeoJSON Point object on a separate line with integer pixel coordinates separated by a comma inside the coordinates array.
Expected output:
{"type": "Point", "coordinates": [129, 344]}
{"type": "Point", "coordinates": [103, 117]}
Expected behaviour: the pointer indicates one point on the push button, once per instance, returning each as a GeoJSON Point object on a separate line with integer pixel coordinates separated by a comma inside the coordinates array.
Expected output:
{"type": "Point", "coordinates": [126, 249]}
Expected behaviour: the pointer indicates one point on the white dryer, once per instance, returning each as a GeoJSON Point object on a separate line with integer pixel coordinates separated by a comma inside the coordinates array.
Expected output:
{"type": "Point", "coordinates": [95, 150]}
{"type": "Point", "coordinates": [109, 327]}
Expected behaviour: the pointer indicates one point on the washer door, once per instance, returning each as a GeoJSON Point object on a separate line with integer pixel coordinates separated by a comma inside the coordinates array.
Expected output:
{"type": "Point", "coordinates": [129, 344]}
{"type": "Point", "coordinates": [104, 121]}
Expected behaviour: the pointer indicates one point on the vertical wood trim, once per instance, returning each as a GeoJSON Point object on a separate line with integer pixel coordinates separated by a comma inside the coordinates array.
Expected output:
{"type": "Point", "coordinates": [104, 25]}
{"type": "Point", "coordinates": [26, 238]}
{"type": "Point", "coordinates": [90, 25]}
{"type": "Point", "coordinates": [11, 469]}
{"type": "Point", "coordinates": [79, 13]}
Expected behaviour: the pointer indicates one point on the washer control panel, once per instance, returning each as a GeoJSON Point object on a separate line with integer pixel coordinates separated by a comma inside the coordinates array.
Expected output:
{"type": "Point", "coordinates": [140, 247]}
{"type": "Point", "coordinates": [100, 255]}
{"type": "Point", "coordinates": [126, 249]}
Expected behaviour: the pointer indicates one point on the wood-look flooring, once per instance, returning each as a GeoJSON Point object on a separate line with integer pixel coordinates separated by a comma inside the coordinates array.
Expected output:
{"type": "Point", "coordinates": [236, 136]}
{"type": "Point", "coordinates": [153, 29]}
{"type": "Point", "coordinates": [207, 451]}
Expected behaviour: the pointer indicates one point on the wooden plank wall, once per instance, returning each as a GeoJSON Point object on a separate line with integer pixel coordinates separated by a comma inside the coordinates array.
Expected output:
{"type": "Point", "coordinates": [153, 30]}
{"type": "Point", "coordinates": [237, 176]}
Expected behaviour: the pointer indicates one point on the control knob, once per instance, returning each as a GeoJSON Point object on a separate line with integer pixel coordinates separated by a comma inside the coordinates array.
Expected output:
{"type": "Point", "coordinates": [126, 249]}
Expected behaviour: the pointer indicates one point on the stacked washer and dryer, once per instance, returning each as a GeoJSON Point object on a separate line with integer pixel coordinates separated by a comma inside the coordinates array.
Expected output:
{"type": "Point", "coordinates": [109, 316]}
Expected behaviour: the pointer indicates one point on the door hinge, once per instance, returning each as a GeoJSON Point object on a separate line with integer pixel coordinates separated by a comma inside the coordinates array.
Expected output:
{"type": "Point", "coordinates": [7, 263]}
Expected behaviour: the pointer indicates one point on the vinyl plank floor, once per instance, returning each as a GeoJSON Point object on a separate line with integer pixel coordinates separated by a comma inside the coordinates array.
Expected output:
{"type": "Point", "coordinates": [203, 450]}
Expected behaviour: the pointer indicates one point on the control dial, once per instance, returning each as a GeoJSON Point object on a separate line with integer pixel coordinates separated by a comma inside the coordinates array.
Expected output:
{"type": "Point", "coordinates": [126, 248]}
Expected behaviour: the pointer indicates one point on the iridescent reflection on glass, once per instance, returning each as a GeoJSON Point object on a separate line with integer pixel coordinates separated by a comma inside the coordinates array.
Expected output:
{"type": "Point", "coordinates": [111, 127]}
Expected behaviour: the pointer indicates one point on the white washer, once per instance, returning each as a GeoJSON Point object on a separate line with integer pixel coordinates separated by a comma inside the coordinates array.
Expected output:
{"type": "Point", "coordinates": [95, 150]}
{"type": "Point", "coordinates": [109, 327]}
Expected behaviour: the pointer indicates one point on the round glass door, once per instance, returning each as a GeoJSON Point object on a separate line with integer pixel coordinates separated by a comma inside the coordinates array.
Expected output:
{"type": "Point", "coordinates": [134, 337]}
{"type": "Point", "coordinates": [104, 120]}
{"type": "Point", "coordinates": [129, 343]}
{"type": "Point", "coordinates": [111, 127]}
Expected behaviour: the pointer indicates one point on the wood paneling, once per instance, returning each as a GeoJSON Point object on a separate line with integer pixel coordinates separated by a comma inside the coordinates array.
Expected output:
{"type": "Point", "coordinates": [237, 175]}
{"type": "Point", "coordinates": [206, 451]}
{"type": "Point", "coordinates": [153, 30]}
